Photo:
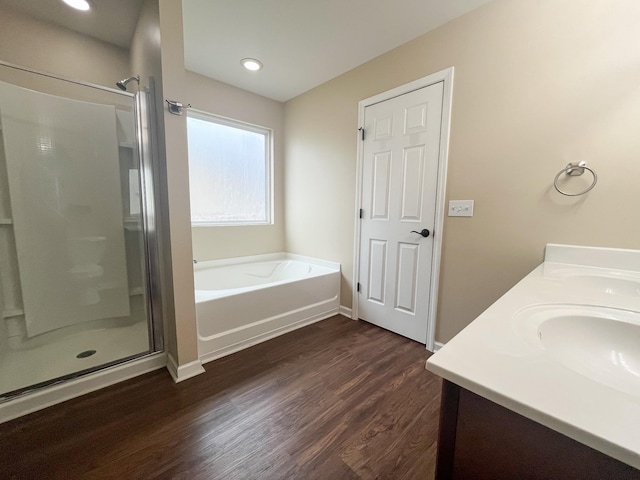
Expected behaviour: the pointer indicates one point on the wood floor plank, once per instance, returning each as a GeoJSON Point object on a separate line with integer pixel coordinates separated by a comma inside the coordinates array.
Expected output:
{"type": "Point", "coordinates": [338, 399]}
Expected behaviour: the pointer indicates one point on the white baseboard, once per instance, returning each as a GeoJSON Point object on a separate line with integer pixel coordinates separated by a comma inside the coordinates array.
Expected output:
{"type": "Point", "coordinates": [183, 372]}
{"type": "Point", "coordinates": [61, 392]}
{"type": "Point", "coordinates": [436, 346]}
{"type": "Point", "coordinates": [346, 311]}
{"type": "Point", "coordinates": [249, 341]}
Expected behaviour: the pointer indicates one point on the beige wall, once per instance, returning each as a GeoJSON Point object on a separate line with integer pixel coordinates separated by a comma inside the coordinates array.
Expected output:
{"type": "Point", "coordinates": [145, 56]}
{"type": "Point", "coordinates": [211, 96]}
{"type": "Point", "coordinates": [183, 344]}
{"type": "Point", "coordinates": [35, 44]}
{"type": "Point", "coordinates": [537, 85]}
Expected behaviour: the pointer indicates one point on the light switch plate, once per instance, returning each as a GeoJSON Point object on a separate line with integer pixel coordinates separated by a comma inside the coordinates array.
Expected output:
{"type": "Point", "coordinates": [461, 208]}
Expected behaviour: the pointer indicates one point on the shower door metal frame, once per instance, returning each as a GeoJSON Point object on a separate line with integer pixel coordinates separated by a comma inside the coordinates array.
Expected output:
{"type": "Point", "coordinates": [150, 236]}
{"type": "Point", "coordinates": [145, 121]}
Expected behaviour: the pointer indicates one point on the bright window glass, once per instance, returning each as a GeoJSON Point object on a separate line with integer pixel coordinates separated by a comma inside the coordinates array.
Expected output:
{"type": "Point", "coordinates": [229, 171]}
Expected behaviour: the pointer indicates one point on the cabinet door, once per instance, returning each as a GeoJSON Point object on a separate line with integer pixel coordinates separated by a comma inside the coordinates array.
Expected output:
{"type": "Point", "coordinates": [481, 440]}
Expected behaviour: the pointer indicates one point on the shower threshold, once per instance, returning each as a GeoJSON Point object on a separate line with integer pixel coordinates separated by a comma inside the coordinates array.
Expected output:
{"type": "Point", "coordinates": [28, 368]}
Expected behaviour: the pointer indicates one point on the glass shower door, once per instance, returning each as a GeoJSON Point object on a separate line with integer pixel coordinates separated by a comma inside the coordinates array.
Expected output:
{"type": "Point", "coordinates": [73, 278]}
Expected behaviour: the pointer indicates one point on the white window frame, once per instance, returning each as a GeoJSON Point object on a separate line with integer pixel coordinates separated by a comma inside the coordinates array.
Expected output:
{"type": "Point", "coordinates": [268, 132]}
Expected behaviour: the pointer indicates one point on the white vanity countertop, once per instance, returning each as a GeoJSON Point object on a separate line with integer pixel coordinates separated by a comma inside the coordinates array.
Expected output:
{"type": "Point", "coordinates": [499, 358]}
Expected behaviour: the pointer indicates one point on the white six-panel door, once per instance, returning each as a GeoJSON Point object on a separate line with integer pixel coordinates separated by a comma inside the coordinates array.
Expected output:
{"type": "Point", "coordinates": [399, 183]}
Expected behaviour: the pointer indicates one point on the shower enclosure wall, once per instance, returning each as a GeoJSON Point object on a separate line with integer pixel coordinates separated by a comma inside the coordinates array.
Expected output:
{"type": "Point", "coordinates": [76, 230]}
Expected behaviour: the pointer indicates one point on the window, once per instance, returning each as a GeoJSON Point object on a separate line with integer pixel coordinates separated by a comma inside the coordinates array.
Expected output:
{"type": "Point", "coordinates": [229, 171]}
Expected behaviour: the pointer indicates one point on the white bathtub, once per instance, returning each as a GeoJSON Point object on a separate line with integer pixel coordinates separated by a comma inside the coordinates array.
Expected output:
{"type": "Point", "coordinates": [244, 301]}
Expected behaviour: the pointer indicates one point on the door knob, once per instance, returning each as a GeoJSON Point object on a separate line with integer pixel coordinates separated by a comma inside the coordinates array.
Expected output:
{"type": "Point", "coordinates": [425, 233]}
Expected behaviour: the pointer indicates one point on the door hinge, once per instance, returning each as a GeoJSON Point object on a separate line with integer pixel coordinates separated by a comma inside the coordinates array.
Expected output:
{"type": "Point", "coordinates": [361, 130]}
{"type": "Point", "coordinates": [361, 213]}
{"type": "Point", "coordinates": [358, 287]}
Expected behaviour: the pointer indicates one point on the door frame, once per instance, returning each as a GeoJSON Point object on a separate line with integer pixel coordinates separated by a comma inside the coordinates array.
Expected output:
{"type": "Point", "coordinates": [445, 76]}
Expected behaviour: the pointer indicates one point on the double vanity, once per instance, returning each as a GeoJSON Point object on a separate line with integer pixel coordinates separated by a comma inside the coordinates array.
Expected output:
{"type": "Point", "coordinates": [546, 382]}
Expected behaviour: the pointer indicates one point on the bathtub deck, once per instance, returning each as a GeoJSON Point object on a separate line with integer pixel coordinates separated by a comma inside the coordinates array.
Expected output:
{"type": "Point", "coordinates": [335, 400]}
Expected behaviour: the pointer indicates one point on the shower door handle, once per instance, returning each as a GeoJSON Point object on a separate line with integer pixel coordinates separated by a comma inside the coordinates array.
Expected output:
{"type": "Point", "coordinates": [424, 232]}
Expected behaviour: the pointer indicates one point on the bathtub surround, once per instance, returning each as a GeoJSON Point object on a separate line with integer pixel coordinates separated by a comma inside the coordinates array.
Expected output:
{"type": "Point", "coordinates": [244, 301]}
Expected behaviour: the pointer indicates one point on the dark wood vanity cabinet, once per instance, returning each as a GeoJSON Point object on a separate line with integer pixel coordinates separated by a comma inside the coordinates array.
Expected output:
{"type": "Point", "coordinates": [481, 440]}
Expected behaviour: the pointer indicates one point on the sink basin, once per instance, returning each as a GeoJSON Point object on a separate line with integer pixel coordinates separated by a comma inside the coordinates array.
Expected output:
{"type": "Point", "coordinates": [600, 343]}
{"type": "Point", "coordinates": [606, 281]}
{"type": "Point", "coordinates": [610, 285]}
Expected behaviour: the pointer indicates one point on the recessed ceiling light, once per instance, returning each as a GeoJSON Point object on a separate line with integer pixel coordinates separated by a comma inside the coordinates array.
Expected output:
{"type": "Point", "coordinates": [78, 4]}
{"type": "Point", "coordinates": [251, 64]}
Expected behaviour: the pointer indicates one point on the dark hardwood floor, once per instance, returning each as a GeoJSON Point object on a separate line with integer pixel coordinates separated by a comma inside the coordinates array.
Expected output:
{"type": "Point", "coordinates": [335, 400]}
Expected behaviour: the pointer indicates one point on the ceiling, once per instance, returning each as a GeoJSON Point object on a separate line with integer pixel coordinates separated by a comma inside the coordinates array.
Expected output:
{"type": "Point", "coordinates": [112, 21]}
{"type": "Point", "coordinates": [302, 43]}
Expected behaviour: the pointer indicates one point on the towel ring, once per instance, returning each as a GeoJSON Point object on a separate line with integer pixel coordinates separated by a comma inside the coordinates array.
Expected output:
{"type": "Point", "coordinates": [575, 169]}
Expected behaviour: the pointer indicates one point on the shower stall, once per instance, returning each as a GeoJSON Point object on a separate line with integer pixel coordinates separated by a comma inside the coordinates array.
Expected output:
{"type": "Point", "coordinates": [78, 247]}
